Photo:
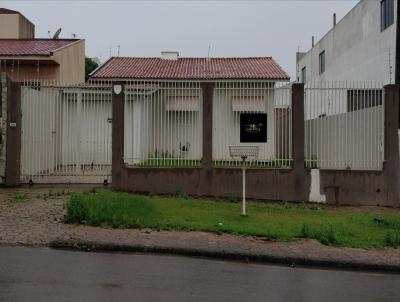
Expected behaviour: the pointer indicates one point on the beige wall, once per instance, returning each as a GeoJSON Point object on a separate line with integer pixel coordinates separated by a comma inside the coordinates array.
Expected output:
{"type": "Point", "coordinates": [9, 26]}
{"type": "Point", "coordinates": [26, 28]}
{"type": "Point", "coordinates": [72, 63]}
{"type": "Point", "coordinates": [16, 26]}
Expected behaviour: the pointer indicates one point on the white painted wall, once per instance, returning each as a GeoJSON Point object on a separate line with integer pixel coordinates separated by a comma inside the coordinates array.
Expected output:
{"type": "Point", "coordinates": [352, 140]}
{"type": "Point", "coordinates": [355, 49]}
{"type": "Point", "coordinates": [156, 125]}
{"type": "Point", "coordinates": [226, 122]}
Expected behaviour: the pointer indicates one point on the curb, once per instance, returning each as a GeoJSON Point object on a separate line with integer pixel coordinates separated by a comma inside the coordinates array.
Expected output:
{"type": "Point", "coordinates": [90, 246]}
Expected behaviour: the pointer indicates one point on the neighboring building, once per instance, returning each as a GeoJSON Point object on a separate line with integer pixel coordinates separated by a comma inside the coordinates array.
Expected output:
{"type": "Point", "coordinates": [23, 57]}
{"type": "Point", "coordinates": [60, 60]}
{"type": "Point", "coordinates": [361, 47]}
{"type": "Point", "coordinates": [13, 25]}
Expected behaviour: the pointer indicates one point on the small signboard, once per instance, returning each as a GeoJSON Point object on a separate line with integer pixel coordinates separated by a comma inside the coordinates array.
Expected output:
{"type": "Point", "coordinates": [253, 127]}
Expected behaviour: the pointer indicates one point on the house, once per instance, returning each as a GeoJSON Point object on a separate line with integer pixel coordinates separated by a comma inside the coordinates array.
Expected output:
{"type": "Point", "coordinates": [56, 60]}
{"type": "Point", "coordinates": [23, 57]}
{"type": "Point", "coordinates": [361, 47]}
{"type": "Point", "coordinates": [164, 106]}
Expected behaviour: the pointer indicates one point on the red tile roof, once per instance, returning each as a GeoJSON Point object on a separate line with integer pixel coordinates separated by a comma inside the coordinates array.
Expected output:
{"type": "Point", "coordinates": [191, 68]}
{"type": "Point", "coordinates": [32, 47]}
{"type": "Point", "coordinates": [6, 11]}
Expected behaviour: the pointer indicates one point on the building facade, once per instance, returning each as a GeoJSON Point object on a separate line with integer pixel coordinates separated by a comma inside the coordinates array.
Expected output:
{"type": "Point", "coordinates": [361, 47]}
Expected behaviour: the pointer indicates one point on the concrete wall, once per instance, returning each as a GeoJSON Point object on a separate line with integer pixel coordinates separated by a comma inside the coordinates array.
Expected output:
{"type": "Point", "coordinates": [16, 26]}
{"type": "Point", "coordinates": [355, 48]}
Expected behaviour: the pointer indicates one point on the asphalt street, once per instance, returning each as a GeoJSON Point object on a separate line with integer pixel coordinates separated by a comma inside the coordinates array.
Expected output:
{"type": "Point", "coordinates": [42, 274]}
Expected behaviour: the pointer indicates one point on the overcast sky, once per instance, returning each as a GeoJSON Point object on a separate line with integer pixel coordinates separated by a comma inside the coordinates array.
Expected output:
{"type": "Point", "coordinates": [230, 28]}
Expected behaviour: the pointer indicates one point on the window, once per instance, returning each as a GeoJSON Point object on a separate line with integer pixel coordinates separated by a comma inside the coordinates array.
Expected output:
{"type": "Point", "coordinates": [322, 62]}
{"type": "Point", "coordinates": [303, 75]}
{"type": "Point", "coordinates": [387, 13]}
{"type": "Point", "coordinates": [358, 99]}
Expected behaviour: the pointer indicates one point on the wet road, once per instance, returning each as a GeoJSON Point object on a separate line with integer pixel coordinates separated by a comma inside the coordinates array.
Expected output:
{"type": "Point", "coordinates": [40, 274]}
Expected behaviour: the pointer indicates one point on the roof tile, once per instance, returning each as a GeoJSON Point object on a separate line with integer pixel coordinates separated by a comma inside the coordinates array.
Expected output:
{"type": "Point", "coordinates": [32, 47]}
{"type": "Point", "coordinates": [191, 68]}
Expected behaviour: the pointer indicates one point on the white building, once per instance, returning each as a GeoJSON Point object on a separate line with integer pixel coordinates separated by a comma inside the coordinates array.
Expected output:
{"type": "Point", "coordinates": [344, 73]}
{"type": "Point", "coordinates": [361, 47]}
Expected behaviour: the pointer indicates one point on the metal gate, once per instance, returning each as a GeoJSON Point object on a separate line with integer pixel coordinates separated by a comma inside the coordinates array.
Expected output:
{"type": "Point", "coordinates": [66, 133]}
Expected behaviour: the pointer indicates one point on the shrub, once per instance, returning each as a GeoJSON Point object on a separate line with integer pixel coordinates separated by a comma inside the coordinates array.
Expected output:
{"type": "Point", "coordinates": [77, 210]}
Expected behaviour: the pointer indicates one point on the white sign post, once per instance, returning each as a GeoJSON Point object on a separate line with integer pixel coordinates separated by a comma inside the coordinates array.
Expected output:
{"type": "Point", "coordinates": [243, 152]}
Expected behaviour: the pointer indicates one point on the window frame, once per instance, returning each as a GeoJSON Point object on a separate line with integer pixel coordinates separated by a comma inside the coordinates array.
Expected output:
{"type": "Point", "coordinates": [322, 62]}
{"type": "Point", "coordinates": [387, 14]}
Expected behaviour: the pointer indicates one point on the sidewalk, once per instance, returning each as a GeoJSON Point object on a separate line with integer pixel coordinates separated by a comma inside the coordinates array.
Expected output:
{"type": "Point", "coordinates": [34, 221]}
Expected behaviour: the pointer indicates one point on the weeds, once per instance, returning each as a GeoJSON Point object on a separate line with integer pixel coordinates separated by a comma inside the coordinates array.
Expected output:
{"type": "Point", "coordinates": [20, 197]}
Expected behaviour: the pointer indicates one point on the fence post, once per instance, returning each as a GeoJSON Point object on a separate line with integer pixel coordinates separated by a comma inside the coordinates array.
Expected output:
{"type": "Point", "coordinates": [298, 123]}
{"type": "Point", "coordinates": [391, 137]}
{"type": "Point", "coordinates": [208, 91]}
{"type": "Point", "coordinates": [118, 128]}
{"type": "Point", "coordinates": [13, 133]}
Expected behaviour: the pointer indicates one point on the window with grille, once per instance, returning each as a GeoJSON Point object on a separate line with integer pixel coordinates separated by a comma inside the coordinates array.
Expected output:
{"type": "Point", "coordinates": [358, 99]}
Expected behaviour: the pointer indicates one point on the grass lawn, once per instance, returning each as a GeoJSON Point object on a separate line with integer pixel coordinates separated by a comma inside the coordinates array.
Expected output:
{"type": "Point", "coordinates": [360, 228]}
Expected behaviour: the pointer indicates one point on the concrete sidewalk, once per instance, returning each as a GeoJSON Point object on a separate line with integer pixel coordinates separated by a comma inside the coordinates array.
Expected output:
{"type": "Point", "coordinates": [37, 221]}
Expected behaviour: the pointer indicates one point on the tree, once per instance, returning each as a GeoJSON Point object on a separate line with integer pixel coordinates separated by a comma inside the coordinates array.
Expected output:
{"type": "Point", "coordinates": [90, 65]}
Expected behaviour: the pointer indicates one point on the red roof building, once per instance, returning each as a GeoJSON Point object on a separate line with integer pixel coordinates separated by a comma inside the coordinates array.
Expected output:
{"type": "Point", "coordinates": [33, 47]}
{"type": "Point", "coordinates": [250, 68]}
{"type": "Point", "coordinates": [59, 60]}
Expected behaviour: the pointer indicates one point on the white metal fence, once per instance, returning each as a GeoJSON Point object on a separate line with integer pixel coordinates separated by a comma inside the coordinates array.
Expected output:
{"type": "Point", "coordinates": [344, 125]}
{"type": "Point", "coordinates": [66, 132]}
{"type": "Point", "coordinates": [163, 124]}
{"type": "Point", "coordinates": [231, 99]}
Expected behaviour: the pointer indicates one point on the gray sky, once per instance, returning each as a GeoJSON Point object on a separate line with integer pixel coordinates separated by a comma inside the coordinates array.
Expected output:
{"type": "Point", "coordinates": [145, 28]}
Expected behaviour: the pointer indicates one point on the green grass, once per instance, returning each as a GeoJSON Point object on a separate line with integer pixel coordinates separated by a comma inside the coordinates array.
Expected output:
{"type": "Point", "coordinates": [285, 222]}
